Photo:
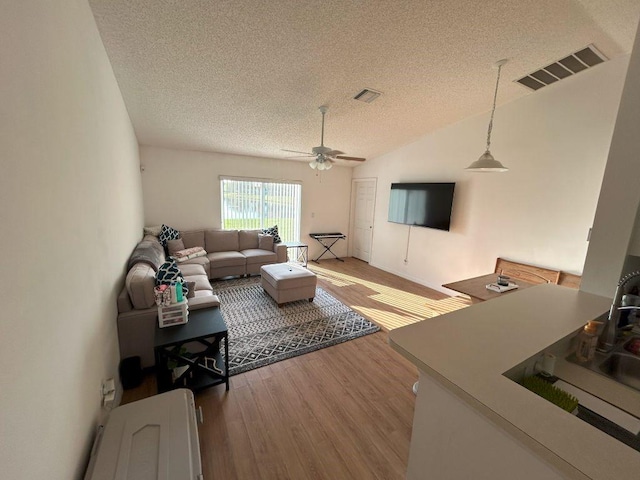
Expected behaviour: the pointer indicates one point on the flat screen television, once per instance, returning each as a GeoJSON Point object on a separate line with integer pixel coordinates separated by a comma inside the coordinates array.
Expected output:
{"type": "Point", "coordinates": [422, 204]}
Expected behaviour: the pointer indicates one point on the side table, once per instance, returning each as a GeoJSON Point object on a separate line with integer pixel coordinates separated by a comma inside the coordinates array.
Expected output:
{"type": "Point", "coordinates": [195, 369]}
{"type": "Point", "coordinates": [302, 252]}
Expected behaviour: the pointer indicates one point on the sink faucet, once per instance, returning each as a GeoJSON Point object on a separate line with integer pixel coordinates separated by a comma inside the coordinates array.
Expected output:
{"type": "Point", "coordinates": [607, 339]}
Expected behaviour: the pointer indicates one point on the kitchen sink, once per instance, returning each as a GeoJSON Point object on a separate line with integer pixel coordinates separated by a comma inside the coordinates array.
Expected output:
{"type": "Point", "coordinates": [620, 365]}
{"type": "Point", "coordinates": [624, 367]}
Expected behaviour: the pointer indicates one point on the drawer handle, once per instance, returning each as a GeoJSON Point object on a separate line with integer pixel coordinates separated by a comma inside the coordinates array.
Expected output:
{"type": "Point", "coordinates": [200, 415]}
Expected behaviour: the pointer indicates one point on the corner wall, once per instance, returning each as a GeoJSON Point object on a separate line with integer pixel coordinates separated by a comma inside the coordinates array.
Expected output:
{"type": "Point", "coordinates": [71, 212]}
{"type": "Point", "coordinates": [182, 189]}
{"type": "Point", "coordinates": [613, 227]}
{"type": "Point", "coordinates": [555, 143]}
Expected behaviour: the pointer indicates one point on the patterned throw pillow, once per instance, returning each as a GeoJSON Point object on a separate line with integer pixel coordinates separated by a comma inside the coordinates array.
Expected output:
{"type": "Point", "coordinates": [166, 234]}
{"type": "Point", "coordinates": [273, 231]}
{"type": "Point", "coordinates": [169, 274]}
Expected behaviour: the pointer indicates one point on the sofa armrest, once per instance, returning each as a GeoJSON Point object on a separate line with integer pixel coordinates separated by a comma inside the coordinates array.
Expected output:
{"type": "Point", "coordinates": [124, 302]}
{"type": "Point", "coordinates": [281, 252]}
{"type": "Point", "coordinates": [136, 330]}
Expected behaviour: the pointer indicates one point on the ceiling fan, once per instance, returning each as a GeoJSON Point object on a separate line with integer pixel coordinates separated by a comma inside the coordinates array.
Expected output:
{"type": "Point", "coordinates": [324, 157]}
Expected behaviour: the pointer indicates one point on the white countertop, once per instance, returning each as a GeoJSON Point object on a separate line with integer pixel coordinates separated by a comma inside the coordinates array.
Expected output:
{"type": "Point", "coordinates": [470, 349]}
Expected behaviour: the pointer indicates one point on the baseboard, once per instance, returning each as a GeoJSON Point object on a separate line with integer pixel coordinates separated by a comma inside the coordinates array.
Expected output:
{"type": "Point", "coordinates": [438, 288]}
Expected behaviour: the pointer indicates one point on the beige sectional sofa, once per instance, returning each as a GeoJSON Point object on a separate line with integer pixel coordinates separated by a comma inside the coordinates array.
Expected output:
{"type": "Point", "coordinates": [229, 253]}
{"type": "Point", "coordinates": [232, 252]}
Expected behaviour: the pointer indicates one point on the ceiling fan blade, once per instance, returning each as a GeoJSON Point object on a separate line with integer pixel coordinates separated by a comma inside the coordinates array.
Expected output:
{"type": "Point", "coordinates": [353, 159]}
{"type": "Point", "coordinates": [333, 153]}
{"type": "Point", "coordinates": [296, 151]}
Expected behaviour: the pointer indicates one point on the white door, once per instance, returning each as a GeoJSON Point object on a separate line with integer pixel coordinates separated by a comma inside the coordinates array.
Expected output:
{"type": "Point", "coordinates": [364, 209]}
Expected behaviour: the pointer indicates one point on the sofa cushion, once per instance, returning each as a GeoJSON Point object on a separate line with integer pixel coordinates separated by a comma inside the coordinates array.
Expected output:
{"type": "Point", "coordinates": [265, 242]}
{"type": "Point", "coordinates": [255, 255]}
{"type": "Point", "coordinates": [166, 234]}
{"type": "Point", "coordinates": [203, 261]}
{"type": "Point", "coordinates": [139, 283]}
{"type": "Point", "coordinates": [221, 241]}
{"type": "Point", "coordinates": [192, 269]}
{"type": "Point", "coordinates": [193, 238]}
{"type": "Point", "coordinates": [274, 232]}
{"type": "Point", "coordinates": [202, 282]}
{"type": "Point", "coordinates": [203, 299]}
{"type": "Point", "coordinates": [226, 259]}
{"type": "Point", "coordinates": [174, 246]}
{"type": "Point", "coordinates": [248, 239]}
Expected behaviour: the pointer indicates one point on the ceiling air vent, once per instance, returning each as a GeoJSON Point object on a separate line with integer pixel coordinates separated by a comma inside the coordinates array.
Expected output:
{"type": "Point", "coordinates": [569, 65]}
{"type": "Point", "coordinates": [367, 95]}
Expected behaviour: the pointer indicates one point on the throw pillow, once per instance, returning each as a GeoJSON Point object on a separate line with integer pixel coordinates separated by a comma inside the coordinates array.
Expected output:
{"type": "Point", "coordinates": [169, 274]}
{"type": "Point", "coordinates": [166, 234]}
{"type": "Point", "coordinates": [265, 242]}
{"type": "Point", "coordinates": [192, 289]}
{"type": "Point", "coordinates": [175, 246]}
{"type": "Point", "coordinates": [273, 231]}
{"type": "Point", "coordinates": [155, 231]}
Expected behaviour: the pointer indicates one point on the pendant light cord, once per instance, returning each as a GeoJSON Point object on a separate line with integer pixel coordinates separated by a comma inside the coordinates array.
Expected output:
{"type": "Point", "coordinates": [495, 97]}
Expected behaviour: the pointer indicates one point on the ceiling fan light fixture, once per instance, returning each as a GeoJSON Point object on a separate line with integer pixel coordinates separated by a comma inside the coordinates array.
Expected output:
{"type": "Point", "coordinates": [322, 157]}
{"type": "Point", "coordinates": [486, 163]}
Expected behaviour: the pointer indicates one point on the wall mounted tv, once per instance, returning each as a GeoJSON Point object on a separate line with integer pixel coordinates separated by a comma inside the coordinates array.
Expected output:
{"type": "Point", "coordinates": [422, 204]}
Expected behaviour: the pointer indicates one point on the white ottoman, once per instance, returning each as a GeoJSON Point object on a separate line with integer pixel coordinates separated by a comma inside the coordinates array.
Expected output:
{"type": "Point", "coordinates": [288, 283]}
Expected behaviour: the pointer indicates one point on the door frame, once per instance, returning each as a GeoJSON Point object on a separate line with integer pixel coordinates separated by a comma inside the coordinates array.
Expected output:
{"type": "Point", "coordinates": [352, 210]}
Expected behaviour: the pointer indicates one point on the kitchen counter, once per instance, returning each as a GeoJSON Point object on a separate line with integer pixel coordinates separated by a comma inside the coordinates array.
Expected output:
{"type": "Point", "coordinates": [466, 352]}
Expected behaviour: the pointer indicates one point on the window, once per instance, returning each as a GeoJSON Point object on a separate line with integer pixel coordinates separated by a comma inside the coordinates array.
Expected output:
{"type": "Point", "coordinates": [253, 203]}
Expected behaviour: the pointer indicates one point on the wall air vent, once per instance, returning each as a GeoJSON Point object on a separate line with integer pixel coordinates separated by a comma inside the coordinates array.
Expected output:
{"type": "Point", "coordinates": [569, 65]}
{"type": "Point", "coordinates": [367, 95]}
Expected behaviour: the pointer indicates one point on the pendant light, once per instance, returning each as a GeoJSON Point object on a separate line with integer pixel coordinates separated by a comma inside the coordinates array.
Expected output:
{"type": "Point", "coordinates": [486, 162]}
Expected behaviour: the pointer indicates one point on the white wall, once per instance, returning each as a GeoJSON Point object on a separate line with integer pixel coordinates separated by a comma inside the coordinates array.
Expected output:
{"type": "Point", "coordinates": [620, 194]}
{"type": "Point", "coordinates": [195, 176]}
{"type": "Point", "coordinates": [71, 212]}
{"type": "Point", "coordinates": [555, 142]}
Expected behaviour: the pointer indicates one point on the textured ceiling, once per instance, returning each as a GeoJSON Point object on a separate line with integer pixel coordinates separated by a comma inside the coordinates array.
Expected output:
{"type": "Point", "coordinates": [247, 77]}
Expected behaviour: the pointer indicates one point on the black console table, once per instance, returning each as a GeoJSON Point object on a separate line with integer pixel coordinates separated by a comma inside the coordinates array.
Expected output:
{"type": "Point", "coordinates": [327, 240]}
{"type": "Point", "coordinates": [195, 346]}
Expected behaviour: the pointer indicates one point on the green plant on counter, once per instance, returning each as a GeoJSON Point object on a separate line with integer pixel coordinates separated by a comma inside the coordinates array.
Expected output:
{"type": "Point", "coordinates": [551, 393]}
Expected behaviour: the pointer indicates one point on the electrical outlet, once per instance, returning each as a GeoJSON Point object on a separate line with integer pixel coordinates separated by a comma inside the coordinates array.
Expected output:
{"type": "Point", "coordinates": [108, 392]}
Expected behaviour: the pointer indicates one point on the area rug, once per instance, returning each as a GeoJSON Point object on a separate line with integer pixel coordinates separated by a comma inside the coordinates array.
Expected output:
{"type": "Point", "coordinates": [261, 333]}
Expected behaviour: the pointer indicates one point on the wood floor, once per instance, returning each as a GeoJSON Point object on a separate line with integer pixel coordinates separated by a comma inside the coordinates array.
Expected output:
{"type": "Point", "coordinates": [343, 412]}
{"type": "Point", "coordinates": [385, 299]}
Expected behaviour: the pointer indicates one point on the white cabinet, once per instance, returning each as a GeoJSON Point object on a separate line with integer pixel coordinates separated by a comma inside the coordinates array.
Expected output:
{"type": "Point", "coordinates": [151, 439]}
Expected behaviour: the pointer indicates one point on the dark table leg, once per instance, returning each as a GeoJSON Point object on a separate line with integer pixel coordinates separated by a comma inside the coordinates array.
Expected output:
{"type": "Point", "coordinates": [327, 248]}
{"type": "Point", "coordinates": [226, 358]}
